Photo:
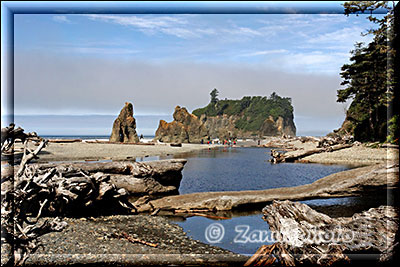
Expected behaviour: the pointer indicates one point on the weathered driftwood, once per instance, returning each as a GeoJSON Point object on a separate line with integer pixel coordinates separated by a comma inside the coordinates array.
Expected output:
{"type": "Point", "coordinates": [9, 135]}
{"type": "Point", "coordinates": [389, 146]}
{"type": "Point", "coordinates": [305, 236]}
{"type": "Point", "coordinates": [176, 144]}
{"type": "Point", "coordinates": [65, 140]}
{"type": "Point", "coordinates": [29, 155]}
{"type": "Point", "coordinates": [93, 182]}
{"type": "Point", "coordinates": [353, 182]}
{"type": "Point", "coordinates": [20, 229]}
{"type": "Point", "coordinates": [72, 189]}
{"type": "Point", "coordinates": [268, 255]}
{"type": "Point", "coordinates": [329, 141]}
{"type": "Point", "coordinates": [277, 157]}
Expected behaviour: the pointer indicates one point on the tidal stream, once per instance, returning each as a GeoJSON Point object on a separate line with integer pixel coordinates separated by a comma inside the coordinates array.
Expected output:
{"type": "Point", "coordinates": [238, 168]}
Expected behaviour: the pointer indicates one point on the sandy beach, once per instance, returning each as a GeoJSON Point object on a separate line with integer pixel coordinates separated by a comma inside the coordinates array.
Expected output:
{"type": "Point", "coordinates": [81, 151]}
{"type": "Point", "coordinates": [173, 245]}
{"type": "Point", "coordinates": [357, 155]}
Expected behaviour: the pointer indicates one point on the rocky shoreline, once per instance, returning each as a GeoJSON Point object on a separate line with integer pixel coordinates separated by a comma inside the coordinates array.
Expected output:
{"type": "Point", "coordinates": [71, 246]}
{"type": "Point", "coordinates": [172, 246]}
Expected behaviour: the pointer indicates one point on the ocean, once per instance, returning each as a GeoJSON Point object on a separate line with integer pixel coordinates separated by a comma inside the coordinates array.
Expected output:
{"type": "Point", "coordinates": [84, 126]}
{"type": "Point", "coordinates": [76, 126]}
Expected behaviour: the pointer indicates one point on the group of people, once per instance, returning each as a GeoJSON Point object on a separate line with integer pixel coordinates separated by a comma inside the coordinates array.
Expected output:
{"type": "Point", "coordinates": [228, 142]}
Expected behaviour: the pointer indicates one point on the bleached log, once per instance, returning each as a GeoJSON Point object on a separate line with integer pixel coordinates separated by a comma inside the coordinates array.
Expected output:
{"type": "Point", "coordinates": [28, 157]}
{"type": "Point", "coordinates": [19, 234]}
{"type": "Point", "coordinates": [277, 157]}
{"type": "Point", "coordinates": [314, 238]}
{"type": "Point", "coordinates": [354, 182]}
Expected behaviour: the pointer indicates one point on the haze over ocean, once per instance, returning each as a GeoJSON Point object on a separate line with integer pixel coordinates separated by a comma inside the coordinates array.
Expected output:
{"type": "Point", "coordinates": [94, 63]}
{"type": "Point", "coordinates": [101, 125]}
{"type": "Point", "coordinates": [83, 64]}
{"type": "Point", "coordinates": [77, 125]}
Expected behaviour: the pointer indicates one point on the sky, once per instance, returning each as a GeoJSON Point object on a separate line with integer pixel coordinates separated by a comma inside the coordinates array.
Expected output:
{"type": "Point", "coordinates": [92, 64]}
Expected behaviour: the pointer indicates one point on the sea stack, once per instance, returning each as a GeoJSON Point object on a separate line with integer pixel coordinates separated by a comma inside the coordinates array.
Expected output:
{"type": "Point", "coordinates": [124, 127]}
{"type": "Point", "coordinates": [185, 128]}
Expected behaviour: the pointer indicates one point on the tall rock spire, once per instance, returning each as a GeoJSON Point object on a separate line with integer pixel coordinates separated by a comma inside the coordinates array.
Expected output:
{"type": "Point", "coordinates": [124, 127]}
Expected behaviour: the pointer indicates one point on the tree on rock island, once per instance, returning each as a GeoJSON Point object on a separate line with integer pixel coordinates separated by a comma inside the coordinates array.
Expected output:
{"type": "Point", "coordinates": [214, 96]}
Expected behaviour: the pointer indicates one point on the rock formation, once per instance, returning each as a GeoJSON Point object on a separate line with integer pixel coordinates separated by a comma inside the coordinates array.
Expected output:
{"type": "Point", "coordinates": [185, 128]}
{"type": "Point", "coordinates": [226, 119]}
{"type": "Point", "coordinates": [188, 128]}
{"type": "Point", "coordinates": [124, 127]}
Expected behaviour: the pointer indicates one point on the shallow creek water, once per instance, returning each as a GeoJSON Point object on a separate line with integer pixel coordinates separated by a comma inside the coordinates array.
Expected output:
{"type": "Point", "coordinates": [237, 168]}
{"type": "Point", "coordinates": [248, 168]}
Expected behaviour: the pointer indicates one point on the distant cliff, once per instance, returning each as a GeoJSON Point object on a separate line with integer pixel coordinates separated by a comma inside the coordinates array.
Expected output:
{"type": "Point", "coordinates": [224, 119]}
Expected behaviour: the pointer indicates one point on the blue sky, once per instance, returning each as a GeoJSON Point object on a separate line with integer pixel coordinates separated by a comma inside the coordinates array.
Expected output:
{"type": "Point", "coordinates": [94, 63]}
{"type": "Point", "coordinates": [316, 43]}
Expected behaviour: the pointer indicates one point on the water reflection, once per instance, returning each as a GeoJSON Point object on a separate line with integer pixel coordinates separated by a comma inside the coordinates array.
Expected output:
{"type": "Point", "coordinates": [236, 169]}
{"type": "Point", "coordinates": [196, 227]}
{"type": "Point", "coordinates": [249, 169]}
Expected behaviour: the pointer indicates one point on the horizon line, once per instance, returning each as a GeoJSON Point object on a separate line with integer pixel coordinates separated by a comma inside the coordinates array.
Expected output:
{"type": "Point", "coordinates": [89, 114]}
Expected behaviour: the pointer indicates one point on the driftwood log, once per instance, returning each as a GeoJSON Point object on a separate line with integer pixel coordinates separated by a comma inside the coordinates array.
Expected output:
{"type": "Point", "coordinates": [78, 186]}
{"type": "Point", "coordinates": [35, 190]}
{"type": "Point", "coordinates": [10, 134]}
{"type": "Point", "coordinates": [20, 228]}
{"type": "Point", "coordinates": [348, 183]}
{"type": "Point", "coordinates": [305, 236]}
{"type": "Point", "coordinates": [268, 255]}
{"type": "Point", "coordinates": [277, 157]}
{"type": "Point", "coordinates": [329, 141]}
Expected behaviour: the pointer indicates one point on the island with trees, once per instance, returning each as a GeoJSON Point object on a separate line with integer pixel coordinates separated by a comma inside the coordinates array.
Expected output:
{"type": "Point", "coordinates": [249, 117]}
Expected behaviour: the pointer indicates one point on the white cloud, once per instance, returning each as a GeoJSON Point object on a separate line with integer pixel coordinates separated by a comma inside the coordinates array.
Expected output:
{"type": "Point", "coordinates": [178, 26]}
{"type": "Point", "coordinates": [104, 50]}
{"type": "Point", "coordinates": [245, 31]}
{"type": "Point", "coordinates": [263, 52]}
{"type": "Point", "coordinates": [140, 22]}
{"type": "Point", "coordinates": [345, 35]}
{"type": "Point", "coordinates": [151, 25]}
{"type": "Point", "coordinates": [60, 18]}
{"type": "Point", "coordinates": [312, 62]}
